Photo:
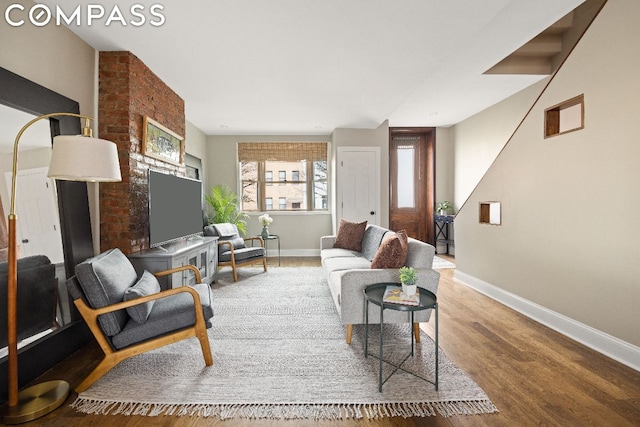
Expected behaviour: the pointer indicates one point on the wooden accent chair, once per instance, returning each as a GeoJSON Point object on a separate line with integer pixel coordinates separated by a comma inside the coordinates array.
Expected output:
{"type": "Point", "coordinates": [232, 249]}
{"type": "Point", "coordinates": [128, 315]}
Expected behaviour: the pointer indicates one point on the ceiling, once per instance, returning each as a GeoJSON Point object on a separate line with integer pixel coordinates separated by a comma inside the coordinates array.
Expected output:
{"type": "Point", "coordinates": [310, 66]}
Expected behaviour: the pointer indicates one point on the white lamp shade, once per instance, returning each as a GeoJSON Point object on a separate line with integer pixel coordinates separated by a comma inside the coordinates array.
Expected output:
{"type": "Point", "coordinates": [79, 158]}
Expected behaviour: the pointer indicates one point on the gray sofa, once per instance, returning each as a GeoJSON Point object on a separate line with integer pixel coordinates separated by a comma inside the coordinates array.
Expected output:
{"type": "Point", "coordinates": [349, 273]}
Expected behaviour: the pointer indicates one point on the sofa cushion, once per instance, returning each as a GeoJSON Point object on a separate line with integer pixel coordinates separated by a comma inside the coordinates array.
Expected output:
{"type": "Point", "coordinates": [345, 263]}
{"type": "Point", "coordinates": [371, 240]}
{"type": "Point", "coordinates": [104, 280]}
{"type": "Point", "coordinates": [350, 235]}
{"type": "Point", "coordinates": [392, 252]}
{"type": "Point", "coordinates": [337, 253]}
{"type": "Point", "coordinates": [147, 285]}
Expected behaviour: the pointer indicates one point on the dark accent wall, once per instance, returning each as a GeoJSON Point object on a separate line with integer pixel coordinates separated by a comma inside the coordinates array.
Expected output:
{"type": "Point", "coordinates": [128, 92]}
{"type": "Point", "coordinates": [34, 359]}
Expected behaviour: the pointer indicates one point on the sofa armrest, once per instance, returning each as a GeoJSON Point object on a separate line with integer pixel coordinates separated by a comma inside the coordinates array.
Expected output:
{"type": "Point", "coordinates": [327, 242]}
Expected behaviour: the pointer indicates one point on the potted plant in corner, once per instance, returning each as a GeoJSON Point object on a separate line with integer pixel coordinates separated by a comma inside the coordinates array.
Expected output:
{"type": "Point", "coordinates": [408, 277]}
{"type": "Point", "coordinates": [224, 208]}
{"type": "Point", "coordinates": [443, 207]}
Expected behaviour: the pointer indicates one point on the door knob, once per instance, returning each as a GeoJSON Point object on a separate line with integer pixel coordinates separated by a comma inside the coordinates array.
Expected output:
{"type": "Point", "coordinates": [25, 241]}
{"type": "Point", "coordinates": [372, 213]}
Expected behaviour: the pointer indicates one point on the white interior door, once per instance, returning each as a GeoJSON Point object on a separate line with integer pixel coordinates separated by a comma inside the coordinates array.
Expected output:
{"type": "Point", "coordinates": [358, 191]}
{"type": "Point", "coordinates": [38, 225]}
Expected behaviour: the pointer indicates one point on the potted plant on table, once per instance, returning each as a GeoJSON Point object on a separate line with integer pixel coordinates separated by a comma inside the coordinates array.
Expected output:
{"type": "Point", "coordinates": [408, 277]}
{"type": "Point", "coordinates": [265, 220]}
{"type": "Point", "coordinates": [443, 208]}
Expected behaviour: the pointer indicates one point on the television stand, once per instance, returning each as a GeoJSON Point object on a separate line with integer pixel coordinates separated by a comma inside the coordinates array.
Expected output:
{"type": "Point", "coordinates": [201, 252]}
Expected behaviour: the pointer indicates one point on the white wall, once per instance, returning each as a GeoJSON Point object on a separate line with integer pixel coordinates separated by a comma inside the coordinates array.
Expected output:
{"type": "Point", "coordinates": [195, 143]}
{"type": "Point", "coordinates": [568, 243]}
{"type": "Point", "coordinates": [57, 59]}
{"type": "Point", "coordinates": [479, 139]}
{"type": "Point", "coordinates": [53, 57]}
{"type": "Point", "coordinates": [445, 165]}
{"type": "Point", "coordinates": [299, 232]}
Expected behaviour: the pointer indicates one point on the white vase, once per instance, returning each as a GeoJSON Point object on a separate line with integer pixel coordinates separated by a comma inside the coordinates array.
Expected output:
{"type": "Point", "coordinates": [409, 290]}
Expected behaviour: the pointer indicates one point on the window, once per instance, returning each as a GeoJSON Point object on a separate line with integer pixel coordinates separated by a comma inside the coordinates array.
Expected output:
{"type": "Point", "coordinates": [304, 162]}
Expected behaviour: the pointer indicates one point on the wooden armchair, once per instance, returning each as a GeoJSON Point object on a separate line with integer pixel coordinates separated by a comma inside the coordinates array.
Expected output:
{"type": "Point", "coordinates": [232, 249]}
{"type": "Point", "coordinates": [128, 316]}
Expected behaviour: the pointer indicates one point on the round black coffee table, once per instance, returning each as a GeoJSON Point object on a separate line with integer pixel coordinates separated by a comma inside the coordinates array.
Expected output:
{"type": "Point", "coordinates": [374, 294]}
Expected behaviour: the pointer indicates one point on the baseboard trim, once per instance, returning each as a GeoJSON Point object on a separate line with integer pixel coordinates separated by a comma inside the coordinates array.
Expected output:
{"type": "Point", "coordinates": [615, 348]}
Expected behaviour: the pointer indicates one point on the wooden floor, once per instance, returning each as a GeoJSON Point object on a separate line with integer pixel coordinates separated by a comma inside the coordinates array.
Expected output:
{"type": "Point", "coordinates": [536, 377]}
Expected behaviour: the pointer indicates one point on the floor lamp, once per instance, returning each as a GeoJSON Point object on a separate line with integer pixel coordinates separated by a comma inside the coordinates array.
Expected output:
{"type": "Point", "coordinates": [75, 158]}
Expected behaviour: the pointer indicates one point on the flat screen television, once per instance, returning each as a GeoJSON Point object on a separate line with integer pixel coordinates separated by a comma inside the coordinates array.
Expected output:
{"type": "Point", "coordinates": [175, 208]}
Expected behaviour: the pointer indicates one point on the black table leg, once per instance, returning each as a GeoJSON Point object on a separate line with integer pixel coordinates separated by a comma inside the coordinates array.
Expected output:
{"type": "Point", "coordinates": [380, 371]}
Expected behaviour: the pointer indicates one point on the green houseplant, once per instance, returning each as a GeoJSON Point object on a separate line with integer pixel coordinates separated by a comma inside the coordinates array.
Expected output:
{"type": "Point", "coordinates": [408, 277]}
{"type": "Point", "coordinates": [223, 205]}
{"type": "Point", "coordinates": [443, 207]}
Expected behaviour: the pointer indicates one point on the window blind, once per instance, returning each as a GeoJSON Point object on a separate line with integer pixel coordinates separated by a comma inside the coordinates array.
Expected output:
{"type": "Point", "coordinates": [281, 151]}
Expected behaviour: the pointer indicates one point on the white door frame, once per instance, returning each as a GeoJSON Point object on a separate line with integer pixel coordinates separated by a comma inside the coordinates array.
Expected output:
{"type": "Point", "coordinates": [340, 153]}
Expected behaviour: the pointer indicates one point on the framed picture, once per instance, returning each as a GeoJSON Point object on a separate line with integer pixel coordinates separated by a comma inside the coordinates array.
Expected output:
{"type": "Point", "coordinates": [161, 143]}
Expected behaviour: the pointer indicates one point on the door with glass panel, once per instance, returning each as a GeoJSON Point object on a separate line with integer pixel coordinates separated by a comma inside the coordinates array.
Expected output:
{"type": "Point", "coordinates": [411, 156]}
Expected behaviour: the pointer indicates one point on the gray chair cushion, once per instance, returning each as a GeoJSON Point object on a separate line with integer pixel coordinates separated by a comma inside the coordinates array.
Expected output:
{"type": "Point", "coordinates": [168, 315]}
{"type": "Point", "coordinates": [241, 254]}
{"type": "Point", "coordinates": [147, 285]}
{"type": "Point", "coordinates": [104, 280]}
{"type": "Point", "coordinates": [371, 240]}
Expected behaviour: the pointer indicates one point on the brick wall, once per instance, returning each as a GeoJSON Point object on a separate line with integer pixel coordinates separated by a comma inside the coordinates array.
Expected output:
{"type": "Point", "coordinates": [128, 91]}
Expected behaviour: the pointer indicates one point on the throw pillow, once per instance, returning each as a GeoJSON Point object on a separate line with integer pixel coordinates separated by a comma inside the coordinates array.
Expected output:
{"type": "Point", "coordinates": [392, 253]}
{"type": "Point", "coordinates": [350, 235]}
{"type": "Point", "coordinates": [147, 285]}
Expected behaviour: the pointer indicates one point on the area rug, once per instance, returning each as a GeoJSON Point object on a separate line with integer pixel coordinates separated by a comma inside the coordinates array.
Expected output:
{"type": "Point", "coordinates": [279, 352]}
{"type": "Point", "coordinates": [441, 263]}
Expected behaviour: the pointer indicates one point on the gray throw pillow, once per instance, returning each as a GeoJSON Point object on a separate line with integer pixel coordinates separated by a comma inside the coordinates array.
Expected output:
{"type": "Point", "coordinates": [236, 241]}
{"type": "Point", "coordinates": [104, 279]}
{"type": "Point", "coordinates": [147, 285]}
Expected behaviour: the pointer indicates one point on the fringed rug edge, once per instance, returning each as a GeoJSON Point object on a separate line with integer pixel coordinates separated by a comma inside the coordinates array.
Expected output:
{"type": "Point", "coordinates": [332, 411]}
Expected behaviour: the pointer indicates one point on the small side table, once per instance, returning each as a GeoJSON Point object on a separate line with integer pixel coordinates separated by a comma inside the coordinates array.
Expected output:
{"type": "Point", "coordinates": [374, 294]}
{"type": "Point", "coordinates": [442, 225]}
{"type": "Point", "coordinates": [266, 250]}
